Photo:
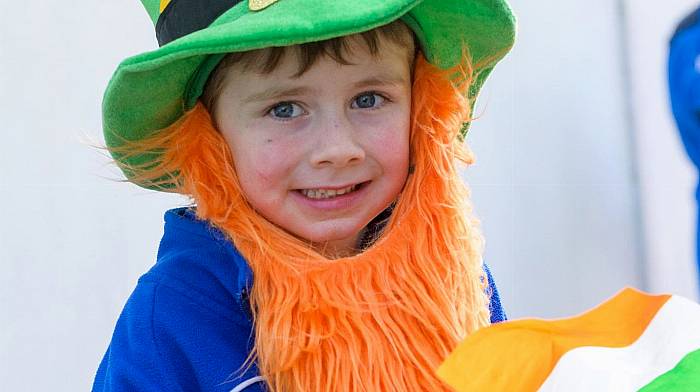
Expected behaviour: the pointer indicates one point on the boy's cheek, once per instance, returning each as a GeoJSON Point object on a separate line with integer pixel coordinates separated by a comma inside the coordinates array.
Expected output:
{"type": "Point", "coordinates": [269, 166]}
{"type": "Point", "coordinates": [263, 173]}
{"type": "Point", "coordinates": [265, 152]}
{"type": "Point", "coordinates": [392, 143]}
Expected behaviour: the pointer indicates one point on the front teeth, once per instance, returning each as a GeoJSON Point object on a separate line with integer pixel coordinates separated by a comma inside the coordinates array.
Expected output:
{"type": "Point", "coordinates": [327, 193]}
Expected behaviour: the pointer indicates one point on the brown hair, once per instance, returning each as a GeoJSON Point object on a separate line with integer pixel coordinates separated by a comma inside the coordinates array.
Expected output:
{"type": "Point", "coordinates": [307, 54]}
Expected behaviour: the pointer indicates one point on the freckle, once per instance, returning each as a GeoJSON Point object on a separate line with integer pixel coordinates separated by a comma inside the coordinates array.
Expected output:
{"type": "Point", "coordinates": [268, 141]}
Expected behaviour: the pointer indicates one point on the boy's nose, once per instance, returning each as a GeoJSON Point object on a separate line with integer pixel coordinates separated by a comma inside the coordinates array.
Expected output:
{"type": "Point", "coordinates": [337, 144]}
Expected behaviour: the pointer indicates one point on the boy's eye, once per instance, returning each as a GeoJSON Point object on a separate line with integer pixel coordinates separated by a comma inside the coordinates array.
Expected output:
{"type": "Point", "coordinates": [367, 101]}
{"type": "Point", "coordinates": [286, 110]}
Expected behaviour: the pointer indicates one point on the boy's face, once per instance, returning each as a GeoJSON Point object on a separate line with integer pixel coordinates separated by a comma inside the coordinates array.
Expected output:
{"type": "Point", "coordinates": [321, 154]}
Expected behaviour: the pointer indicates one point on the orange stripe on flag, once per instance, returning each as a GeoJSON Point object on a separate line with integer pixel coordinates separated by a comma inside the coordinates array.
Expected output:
{"type": "Point", "coordinates": [519, 355]}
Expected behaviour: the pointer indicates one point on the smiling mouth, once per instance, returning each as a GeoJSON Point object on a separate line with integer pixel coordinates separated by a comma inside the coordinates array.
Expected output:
{"type": "Point", "coordinates": [321, 193]}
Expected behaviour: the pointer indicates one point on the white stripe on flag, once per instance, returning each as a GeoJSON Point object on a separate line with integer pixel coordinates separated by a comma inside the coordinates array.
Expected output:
{"type": "Point", "coordinates": [672, 333]}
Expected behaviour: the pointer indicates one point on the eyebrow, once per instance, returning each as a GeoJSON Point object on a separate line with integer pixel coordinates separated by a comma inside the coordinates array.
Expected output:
{"type": "Point", "coordinates": [381, 80]}
{"type": "Point", "coordinates": [276, 92]}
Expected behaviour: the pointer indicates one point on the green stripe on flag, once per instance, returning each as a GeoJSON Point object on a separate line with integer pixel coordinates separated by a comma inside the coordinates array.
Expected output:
{"type": "Point", "coordinates": [685, 377]}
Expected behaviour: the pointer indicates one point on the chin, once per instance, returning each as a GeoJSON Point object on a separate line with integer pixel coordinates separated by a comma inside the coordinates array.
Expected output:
{"type": "Point", "coordinates": [346, 236]}
{"type": "Point", "coordinates": [331, 236]}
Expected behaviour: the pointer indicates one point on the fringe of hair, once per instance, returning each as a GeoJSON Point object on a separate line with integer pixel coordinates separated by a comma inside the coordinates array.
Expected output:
{"type": "Point", "coordinates": [381, 320]}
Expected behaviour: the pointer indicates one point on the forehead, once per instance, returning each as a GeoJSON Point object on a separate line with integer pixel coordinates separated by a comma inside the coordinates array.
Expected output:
{"type": "Point", "coordinates": [361, 69]}
{"type": "Point", "coordinates": [392, 43]}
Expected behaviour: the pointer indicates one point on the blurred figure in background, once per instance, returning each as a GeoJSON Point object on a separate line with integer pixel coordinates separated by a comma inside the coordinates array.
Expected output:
{"type": "Point", "coordinates": [684, 87]}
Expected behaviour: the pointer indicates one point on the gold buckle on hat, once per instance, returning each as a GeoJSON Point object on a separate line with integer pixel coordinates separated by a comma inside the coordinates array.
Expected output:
{"type": "Point", "coordinates": [163, 4]}
{"type": "Point", "coordinates": [257, 5]}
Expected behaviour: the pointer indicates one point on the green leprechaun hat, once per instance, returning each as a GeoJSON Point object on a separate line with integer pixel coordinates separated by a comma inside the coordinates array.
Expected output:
{"type": "Point", "coordinates": [151, 91]}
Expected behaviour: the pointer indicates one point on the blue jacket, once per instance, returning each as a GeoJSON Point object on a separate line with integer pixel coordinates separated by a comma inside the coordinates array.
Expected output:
{"type": "Point", "coordinates": [187, 326]}
{"type": "Point", "coordinates": [684, 82]}
{"type": "Point", "coordinates": [684, 88]}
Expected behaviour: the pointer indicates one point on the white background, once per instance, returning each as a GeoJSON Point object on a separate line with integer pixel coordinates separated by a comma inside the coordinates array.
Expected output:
{"type": "Point", "coordinates": [581, 181]}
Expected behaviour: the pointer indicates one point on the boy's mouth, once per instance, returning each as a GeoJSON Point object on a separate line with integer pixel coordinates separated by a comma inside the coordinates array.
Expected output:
{"type": "Point", "coordinates": [321, 193]}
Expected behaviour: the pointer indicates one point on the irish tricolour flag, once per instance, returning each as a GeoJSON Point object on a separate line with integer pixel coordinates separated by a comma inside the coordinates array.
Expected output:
{"type": "Point", "coordinates": [632, 342]}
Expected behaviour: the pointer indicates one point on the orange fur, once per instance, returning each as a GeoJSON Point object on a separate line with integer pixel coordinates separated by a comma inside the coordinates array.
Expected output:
{"type": "Point", "coordinates": [382, 320]}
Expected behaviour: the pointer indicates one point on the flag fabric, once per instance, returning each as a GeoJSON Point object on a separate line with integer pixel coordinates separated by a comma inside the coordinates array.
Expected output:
{"type": "Point", "coordinates": [631, 342]}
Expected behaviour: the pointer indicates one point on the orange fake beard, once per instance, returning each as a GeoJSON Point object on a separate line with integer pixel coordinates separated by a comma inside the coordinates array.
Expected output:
{"type": "Point", "coordinates": [382, 320]}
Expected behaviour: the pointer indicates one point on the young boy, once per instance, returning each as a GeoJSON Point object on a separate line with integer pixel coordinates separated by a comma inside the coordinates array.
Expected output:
{"type": "Point", "coordinates": [331, 245]}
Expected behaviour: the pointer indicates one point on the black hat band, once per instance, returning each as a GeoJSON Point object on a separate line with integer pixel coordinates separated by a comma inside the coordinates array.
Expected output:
{"type": "Point", "coordinates": [182, 17]}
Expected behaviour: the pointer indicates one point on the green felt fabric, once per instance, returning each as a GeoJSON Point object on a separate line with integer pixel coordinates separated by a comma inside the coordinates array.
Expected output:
{"type": "Point", "coordinates": [150, 91]}
{"type": "Point", "coordinates": [153, 9]}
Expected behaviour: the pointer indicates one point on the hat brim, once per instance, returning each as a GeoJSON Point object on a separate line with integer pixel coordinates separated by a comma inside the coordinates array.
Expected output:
{"type": "Point", "coordinates": [152, 90]}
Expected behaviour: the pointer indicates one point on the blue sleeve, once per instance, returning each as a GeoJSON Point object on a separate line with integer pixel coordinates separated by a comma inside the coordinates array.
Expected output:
{"type": "Point", "coordinates": [167, 339]}
{"type": "Point", "coordinates": [495, 307]}
{"type": "Point", "coordinates": [684, 85]}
